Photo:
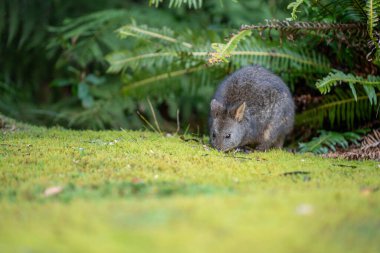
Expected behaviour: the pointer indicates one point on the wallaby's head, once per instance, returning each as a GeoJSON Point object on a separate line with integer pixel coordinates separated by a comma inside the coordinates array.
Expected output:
{"type": "Point", "coordinates": [227, 125]}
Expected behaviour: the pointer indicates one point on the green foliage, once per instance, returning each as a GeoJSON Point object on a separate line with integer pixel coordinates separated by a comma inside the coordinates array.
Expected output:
{"type": "Point", "coordinates": [292, 30]}
{"type": "Point", "coordinates": [86, 38]}
{"type": "Point", "coordinates": [280, 59]}
{"type": "Point", "coordinates": [68, 57]}
{"type": "Point", "coordinates": [178, 3]}
{"type": "Point", "coordinates": [21, 34]}
{"type": "Point", "coordinates": [340, 110]}
{"type": "Point", "coordinates": [143, 32]}
{"type": "Point", "coordinates": [223, 51]}
{"type": "Point", "coordinates": [372, 8]}
{"type": "Point", "coordinates": [294, 7]}
{"type": "Point", "coordinates": [169, 55]}
{"type": "Point", "coordinates": [67, 81]}
{"type": "Point", "coordinates": [328, 141]}
{"type": "Point", "coordinates": [84, 42]}
{"type": "Point", "coordinates": [370, 84]}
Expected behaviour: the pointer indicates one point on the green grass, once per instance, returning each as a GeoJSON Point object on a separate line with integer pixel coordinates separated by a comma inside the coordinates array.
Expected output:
{"type": "Point", "coordinates": [129, 191]}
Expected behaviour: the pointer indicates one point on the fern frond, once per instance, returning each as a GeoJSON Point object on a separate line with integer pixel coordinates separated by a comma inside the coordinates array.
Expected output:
{"type": "Point", "coordinates": [372, 140]}
{"type": "Point", "coordinates": [337, 77]}
{"type": "Point", "coordinates": [160, 78]}
{"type": "Point", "coordinates": [354, 34]}
{"type": "Point", "coordinates": [359, 6]}
{"type": "Point", "coordinates": [248, 53]}
{"type": "Point", "coordinates": [279, 59]}
{"type": "Point", "coordinates": [294, 6]}
{"type": "Point", "coordinates": [372, 9]}
{"type": "Point", "coordinates": [223, 51]}
{"type": "Point", "coordinates": [87, 24]}
{"type": "Point", "coordinates": [21, 22]}
{"type": "Point", "coordinates": [119, 61]}
{"type": "Point", "coordinates": [178, 3]}
{"type": "Point", "coordinates": [143, 31]}
{"type": "Point", "coordinates": [340, 109]}
{"type": "Point", "coordinates": [3, 11]}
{"type": "Point", "coordinates": [327, 141]}
{"type": "Point", "coordinates": [317, 27]}
{"type": "Point", "coordinates": [286, 56]}
{"type": "Point", "coordinates": [344, 10]}
{"type": "Point", "coordinates": [344, 32]}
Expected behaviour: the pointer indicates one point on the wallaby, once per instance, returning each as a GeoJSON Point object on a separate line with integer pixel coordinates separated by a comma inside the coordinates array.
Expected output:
{"type": "Point", "coordinates": [252, 107]}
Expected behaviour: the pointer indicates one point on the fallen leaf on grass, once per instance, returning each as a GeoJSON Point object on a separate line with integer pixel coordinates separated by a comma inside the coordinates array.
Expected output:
{"type": "Point", "coordinates": [137, 180]}
{"type": "Point", "coordinates": [304, 209]}
{"type": "Point", "coordinates": [51, 191]}
{"type": "Point", "coordinates": [366, 191]}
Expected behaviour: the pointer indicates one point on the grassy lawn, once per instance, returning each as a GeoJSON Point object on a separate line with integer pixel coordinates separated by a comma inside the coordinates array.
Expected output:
{"type": "Point", "coordinates": [124, 191]}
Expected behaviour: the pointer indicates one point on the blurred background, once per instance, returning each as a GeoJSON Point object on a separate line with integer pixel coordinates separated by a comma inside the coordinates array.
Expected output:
{"type": "Point", "coordinates": [142, 64]}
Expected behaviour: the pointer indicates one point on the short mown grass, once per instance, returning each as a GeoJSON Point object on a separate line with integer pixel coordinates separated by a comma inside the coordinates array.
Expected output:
{"type": "Point", "coordinates": [125, 191]}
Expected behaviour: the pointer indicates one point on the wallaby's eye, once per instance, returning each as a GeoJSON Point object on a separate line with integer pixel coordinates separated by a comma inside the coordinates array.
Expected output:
{"type": "Point", "coordinates": [228, 136]}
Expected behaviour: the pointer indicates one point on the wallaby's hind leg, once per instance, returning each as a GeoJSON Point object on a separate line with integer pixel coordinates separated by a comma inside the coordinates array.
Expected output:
{"type": "Point", "coordinates": [268, 145]}
{"type": "Point", "coordinates": [279, 142]}
{"type": "Point", "coordinates": [272, 138]}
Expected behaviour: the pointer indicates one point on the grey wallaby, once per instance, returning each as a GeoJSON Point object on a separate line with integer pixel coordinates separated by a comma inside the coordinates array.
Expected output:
{"type": "Point", "coordinates": [251, 107]}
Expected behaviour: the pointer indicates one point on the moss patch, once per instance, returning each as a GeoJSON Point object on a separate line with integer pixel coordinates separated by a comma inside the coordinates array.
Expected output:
{"type": "Point", "coordinates": [122, 191]}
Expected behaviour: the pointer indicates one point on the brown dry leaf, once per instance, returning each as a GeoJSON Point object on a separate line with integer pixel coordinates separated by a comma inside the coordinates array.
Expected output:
{"type": "Point", "coordinates": [137, 180]}
{"type": "Point", "coordinates": [368, 149]}
{"type": "Point", "coordinates": [367, 191]}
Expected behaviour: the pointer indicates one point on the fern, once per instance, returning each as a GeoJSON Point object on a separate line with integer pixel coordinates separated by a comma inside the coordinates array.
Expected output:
{"type": "Point", "coordinates": [178, 3]}
{"type": "Point", "coordinates": [337, 77]}
{"type": "Point", "coordinates": [343, 32]}
{"type": "Point", "coordinates": [162, 48]}
{"type": "Point", "coordinates": [160, 78]}
{"type": "Point", "coordinates": [223, 51]}
{"type": "Point", "coordinates": [328, 141]}
{"type": "Point", "coordinates": [343, 10]}
{"type": "Point", "coordinates": [295, 27]}
{"type": "Point", "coordinates": [294, 6]}
{"type": "Point", "coordinates": [279, 59]}
{"type": "Point", "coordinates": [372, 9]}
{"type": "Point", "coordinates": [164, 34]}
{"type": "Point", "coordinates": [121, 60]}
{"type": "Point", "coordinates": [370, 141]}
{"type": "Point", "coordinates": [23, 32]}
{"type": "Point", "coordinates": [250, 52]}
{"type": "Point", "coordinates": [340, 109]}
{"type": "Point", "coordinates": [359, 6]}
{"type": "Point", "coordinates": [86, 24]}
{"type": "Point", "coordinates": [165, 58]}
{"type": "Point", "coordinates": [87, 38]}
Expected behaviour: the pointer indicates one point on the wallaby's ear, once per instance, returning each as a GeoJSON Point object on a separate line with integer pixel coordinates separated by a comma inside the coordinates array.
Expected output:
{"type": "Point", "coordinates": [239, 113]}
{"type": "Point", "coordinates": [216, 108]}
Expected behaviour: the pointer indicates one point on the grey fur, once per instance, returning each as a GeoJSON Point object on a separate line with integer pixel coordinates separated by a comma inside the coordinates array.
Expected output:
{"type": "Point", "coordinates": [268, 115]}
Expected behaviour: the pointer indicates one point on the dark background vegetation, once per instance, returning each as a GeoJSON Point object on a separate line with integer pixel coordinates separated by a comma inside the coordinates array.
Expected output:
{"type": "Point", "coordinates": [60, 61]}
